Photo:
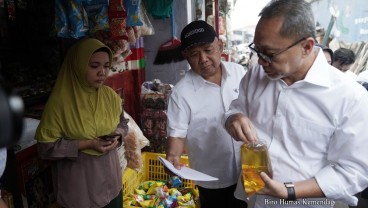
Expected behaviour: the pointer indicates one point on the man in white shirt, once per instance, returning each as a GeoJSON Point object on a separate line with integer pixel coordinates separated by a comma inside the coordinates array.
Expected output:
{"type": "Point", "coordinates": [311, 115]}
{"type": "Point", "coordinates": [195, 111]}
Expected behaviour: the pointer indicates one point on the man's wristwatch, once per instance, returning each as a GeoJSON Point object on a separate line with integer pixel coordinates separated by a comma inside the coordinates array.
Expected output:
{"type": "Point", "coordinates": [291, 191]}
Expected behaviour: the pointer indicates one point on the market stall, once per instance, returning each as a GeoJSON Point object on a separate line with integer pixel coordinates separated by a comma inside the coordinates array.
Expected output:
{"type": "Point", "coordinates": [34, 38]}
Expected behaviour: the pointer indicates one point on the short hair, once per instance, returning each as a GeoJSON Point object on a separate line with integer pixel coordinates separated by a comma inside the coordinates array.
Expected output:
{"type": "Point", "coordinates": [297, 14]}
{"type": "Point", "coordinates": [325, 48]}
{"type": "Point", "coordinates": [344, 56]}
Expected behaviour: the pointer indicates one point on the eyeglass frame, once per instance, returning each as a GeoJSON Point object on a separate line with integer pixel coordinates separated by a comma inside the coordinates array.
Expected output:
{"type": "Point", "coordinates": [268, 58]}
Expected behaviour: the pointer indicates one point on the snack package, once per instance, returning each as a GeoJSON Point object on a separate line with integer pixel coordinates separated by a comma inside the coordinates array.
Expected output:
{"type": "Point", "coordinates": [133, 152]}
{"type": "Point", "coordinates": [132, 7]}
{"type": "Point", "coordinates": [61, 19]}
{"type": "Point", "coordinates": [117, 20]}
{"type": "Point", "coordinates": [135, 131]}
{"type": "Point", "coordinates": [78, 19]}
{"type": "Point", "coordinates": [97, 14]}
{"type": "Point", "coordinates": [133, 127]}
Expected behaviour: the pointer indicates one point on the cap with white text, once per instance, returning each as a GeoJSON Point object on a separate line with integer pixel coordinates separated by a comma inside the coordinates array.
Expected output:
{"type": "Point", "coordinates": [197, 32]}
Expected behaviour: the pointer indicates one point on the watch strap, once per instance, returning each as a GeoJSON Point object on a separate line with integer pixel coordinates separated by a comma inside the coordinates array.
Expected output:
{"type": "Point", "coordinates": [291, 191]}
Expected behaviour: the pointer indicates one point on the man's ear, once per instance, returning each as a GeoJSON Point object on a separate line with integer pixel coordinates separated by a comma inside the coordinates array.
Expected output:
{"type": "Point", "coordinates": [308, 45]}
{"type": "Point", "coordinates": [221, 45]}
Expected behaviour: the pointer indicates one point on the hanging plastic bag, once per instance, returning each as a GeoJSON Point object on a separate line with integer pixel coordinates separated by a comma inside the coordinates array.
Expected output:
{"type": "Point", "coordinates": [146, 28]}
{"type": "Point", "coordinates": [159, 9]}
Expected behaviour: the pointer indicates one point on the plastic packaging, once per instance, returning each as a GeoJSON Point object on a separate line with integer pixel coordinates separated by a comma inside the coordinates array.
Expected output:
{"type": "Point", "coordinates": [255, 159]}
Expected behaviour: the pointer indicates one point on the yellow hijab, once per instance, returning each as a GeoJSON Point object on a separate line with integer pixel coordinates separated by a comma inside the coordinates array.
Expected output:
{"type": "Point", "coordinates": [75, 110]}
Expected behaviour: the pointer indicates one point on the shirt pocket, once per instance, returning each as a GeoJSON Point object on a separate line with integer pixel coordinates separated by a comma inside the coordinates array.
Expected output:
{"type": "Point", "coordinates": [308, 138]}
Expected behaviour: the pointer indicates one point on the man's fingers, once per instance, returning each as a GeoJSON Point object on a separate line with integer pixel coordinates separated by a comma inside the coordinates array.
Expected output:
{"type": "Point", "coordinates": [265, 178]}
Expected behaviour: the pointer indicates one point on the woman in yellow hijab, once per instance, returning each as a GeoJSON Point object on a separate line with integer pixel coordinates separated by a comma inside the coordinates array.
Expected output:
{"type": "Point", "coordinates": [80, 111]}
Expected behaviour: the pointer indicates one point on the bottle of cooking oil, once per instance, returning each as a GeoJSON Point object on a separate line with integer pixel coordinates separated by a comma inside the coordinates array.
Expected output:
{"type": "Point", "coordinates": [255, 159]}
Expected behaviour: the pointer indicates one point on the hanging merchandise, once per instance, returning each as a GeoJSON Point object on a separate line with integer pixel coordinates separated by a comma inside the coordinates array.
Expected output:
{"type": "Point", "coordinates": [78, 19]}
{"type": "Point", "coordinates": [154, 98]}
{"type": "Point", "coordinates": [119, 47]}
{"type": "Point", "coordinates": [11, 9]}
{"type": "Point", "coordinates": [117, 20]}
{"type": "Point", "coordinates": [61, 19]}
{"type": "Point", "coordinates": [132, 7]}
{"type": "Point", "coordinates": [171, 50]}
{"type": "Point", "coordinates": [131, 35]}
{"type": "Point", "coordinates": [146, 28]}
{"type": "Point", "coordinates": [97, 14]}
{"type": "Point", "coordinates": [22, 4]}
{"type": "Point", "coordinates": [159, 9]}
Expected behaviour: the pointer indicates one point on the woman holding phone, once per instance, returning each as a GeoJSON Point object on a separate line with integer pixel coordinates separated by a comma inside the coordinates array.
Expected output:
{"type": "Point", "coordinates": [79, 114]}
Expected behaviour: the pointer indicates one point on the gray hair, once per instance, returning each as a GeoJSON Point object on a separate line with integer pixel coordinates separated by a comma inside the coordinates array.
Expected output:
{"type": "Point", "coordinates": [298, 17]}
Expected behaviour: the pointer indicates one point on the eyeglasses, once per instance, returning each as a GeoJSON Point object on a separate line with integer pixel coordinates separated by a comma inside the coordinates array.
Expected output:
{"type": "Point", "coordinates": [268, 58]}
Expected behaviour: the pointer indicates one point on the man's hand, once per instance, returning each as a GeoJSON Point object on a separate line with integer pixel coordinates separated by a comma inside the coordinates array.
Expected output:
{"type": "Point", "coordinates": [174, 149]}
{"type": "Point", "coordinates": [273, 188]}
{"type": "Point", "coordinates": [303, 189]}
{"type": "Point", "coordinates": [241, 128]}
{"type": "Point", "coordinates": [175, 160]}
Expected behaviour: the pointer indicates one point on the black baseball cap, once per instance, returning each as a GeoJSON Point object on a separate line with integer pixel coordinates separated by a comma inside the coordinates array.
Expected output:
{"type": "Point", "coordinates": [197, 32]}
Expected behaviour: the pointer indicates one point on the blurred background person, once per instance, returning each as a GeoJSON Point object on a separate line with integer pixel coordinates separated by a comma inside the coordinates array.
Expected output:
{"type": "Point", "coordinates": [343, 59]}
{"type": "Point", "coordinates": [327, 51]}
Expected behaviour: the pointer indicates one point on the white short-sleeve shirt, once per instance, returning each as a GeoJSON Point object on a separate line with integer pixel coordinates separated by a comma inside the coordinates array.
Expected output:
{"type": "Point", "coordinates": [195, 112]}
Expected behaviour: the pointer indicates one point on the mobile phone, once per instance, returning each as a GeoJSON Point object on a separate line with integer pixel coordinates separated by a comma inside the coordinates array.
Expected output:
{"type": "Point", "coordinates": [109, 137]}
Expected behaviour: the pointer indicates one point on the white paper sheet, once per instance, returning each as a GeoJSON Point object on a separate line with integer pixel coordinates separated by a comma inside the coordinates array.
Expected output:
{"type": "Point", "coordinates": [187, 173]}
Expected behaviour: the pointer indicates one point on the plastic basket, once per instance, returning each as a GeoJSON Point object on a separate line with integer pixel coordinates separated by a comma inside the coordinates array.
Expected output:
{"type": "Point", "coordinates": [153, 170]}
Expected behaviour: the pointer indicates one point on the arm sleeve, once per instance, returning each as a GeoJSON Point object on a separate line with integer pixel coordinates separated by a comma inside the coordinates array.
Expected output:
{"type": "Point", "coordinates": [347, 153]}
{"type": "Point", "coordinates": [60, 149]}
{"type": "Point", "coordinates": [177, 117]}
{"type": "Point", "coordinates": [238, 105]}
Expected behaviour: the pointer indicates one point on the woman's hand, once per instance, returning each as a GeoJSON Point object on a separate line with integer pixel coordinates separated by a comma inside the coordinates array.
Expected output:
{"type": "Point", "coordinates": [99, 144]}
{"type": "Point", "coordinates": [106, 145]}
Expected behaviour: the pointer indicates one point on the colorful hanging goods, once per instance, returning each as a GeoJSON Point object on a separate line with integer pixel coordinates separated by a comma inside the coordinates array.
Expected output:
{"type": "Point", "coordinates": [97, 15]}
{"type": "Point", "coordinates": [133, 7]}
{"type": "Point", "coordinates": [117, 20]}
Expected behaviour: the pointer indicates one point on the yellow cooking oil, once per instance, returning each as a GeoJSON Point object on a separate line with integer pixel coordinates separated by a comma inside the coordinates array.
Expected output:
{"type": "Point", "coordinates": [255, 159]}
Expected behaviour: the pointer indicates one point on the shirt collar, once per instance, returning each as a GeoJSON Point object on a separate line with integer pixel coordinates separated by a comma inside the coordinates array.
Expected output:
{"type": "Point", "coordinates": [320, 71]}
{"type": "Point", "coordinates": [199, 82]}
